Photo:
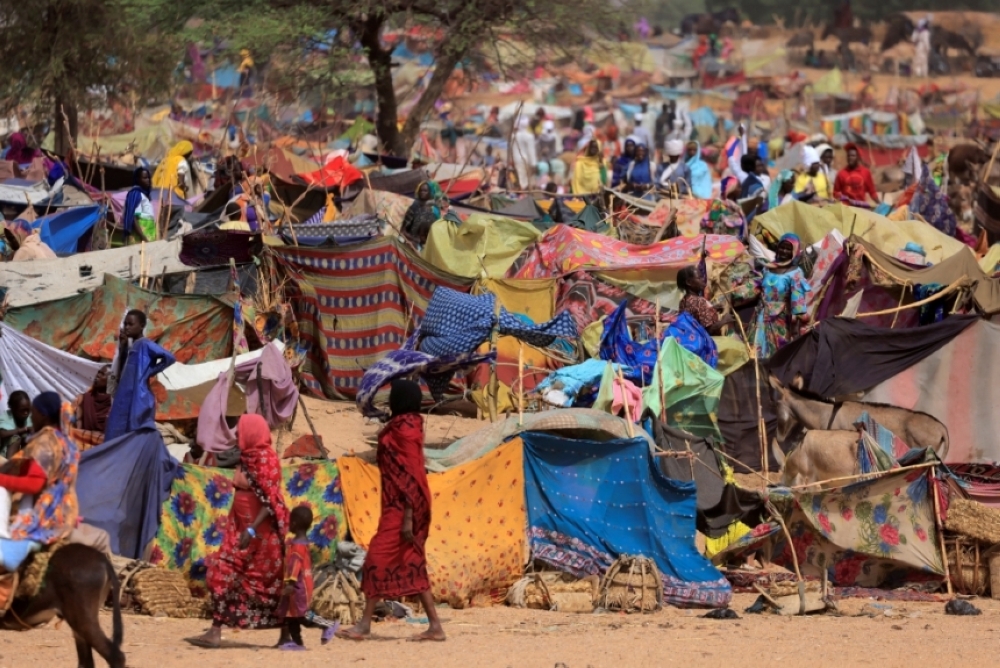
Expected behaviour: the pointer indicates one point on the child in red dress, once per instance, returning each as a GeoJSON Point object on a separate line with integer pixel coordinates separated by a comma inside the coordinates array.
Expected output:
{"type": "Point", "coordinates": [298, 591]}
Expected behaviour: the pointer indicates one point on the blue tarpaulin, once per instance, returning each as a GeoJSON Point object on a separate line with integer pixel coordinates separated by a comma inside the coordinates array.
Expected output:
{"type": "Point", "coordinates": [62, 231]}
{"type": "Point", "coordinates": [590, 502]}
{"type": "Point", "coordinates": [122, 485]}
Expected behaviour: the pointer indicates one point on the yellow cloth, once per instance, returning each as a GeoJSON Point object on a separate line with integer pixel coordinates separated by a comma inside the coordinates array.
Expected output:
{"type": "Point", "coordinates": [820, 183]}
{"type": "Point", "coordinates": [330, 214]}
{"type": "Point", "coordinates": [990, 261]}
{"type": "Point", "coordinates": [484, 246]}
{"type": "Point", "coordinates": [166, 176]}
{"type": "Point", "coordinates": [587, 174]}
{"type": "Point", "coordinates": [734, 532]}
{"type": "Point", "coordinates": [732, 354]}
{"type": "Point", "coordinates": [812, 223]}
{"type": "Point", "coordinates": [478, 521]}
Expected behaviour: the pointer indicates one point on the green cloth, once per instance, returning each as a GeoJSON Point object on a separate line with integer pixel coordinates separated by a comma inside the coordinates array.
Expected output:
{"type": "Point", "coordinates": [812, 223]}
{"type": "Point", "coordinates": [732, 354]}
{"type": "Point", "coordinates": [692, 390]}
{"type": "Point", "coordinates": [485, 246]}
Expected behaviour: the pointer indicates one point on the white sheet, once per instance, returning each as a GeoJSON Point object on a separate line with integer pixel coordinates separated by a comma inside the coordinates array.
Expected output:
{"type": "Point", "coordinates": [35, 367]}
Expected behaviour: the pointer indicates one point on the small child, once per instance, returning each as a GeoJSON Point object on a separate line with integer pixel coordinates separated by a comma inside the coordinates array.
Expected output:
{"type": "Point", "coordinates": [298, 591]}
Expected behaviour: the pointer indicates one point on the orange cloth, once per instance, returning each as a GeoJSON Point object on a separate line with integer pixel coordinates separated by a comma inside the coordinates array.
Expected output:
{"type": "Point", "coordinates": [478, 520]}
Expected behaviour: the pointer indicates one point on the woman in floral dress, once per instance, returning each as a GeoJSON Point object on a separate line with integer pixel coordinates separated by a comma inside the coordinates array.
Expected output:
{"type": "Point", "coordinates": [245, 576]}
{"type": "Point", "coordinates": [783, 308]}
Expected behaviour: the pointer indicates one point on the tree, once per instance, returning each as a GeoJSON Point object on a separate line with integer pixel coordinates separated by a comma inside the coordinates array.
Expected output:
{"type": "Point", "coordinates": [60, 56]}
{"type": "Point", "coordinates": [466, 27]}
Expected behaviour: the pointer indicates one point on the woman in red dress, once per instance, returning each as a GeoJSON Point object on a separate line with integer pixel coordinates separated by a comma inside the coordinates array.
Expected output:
{"type": "Point", "coordinates": [396, 563]}
{"type": "Point", "coordinates": [245, 575]}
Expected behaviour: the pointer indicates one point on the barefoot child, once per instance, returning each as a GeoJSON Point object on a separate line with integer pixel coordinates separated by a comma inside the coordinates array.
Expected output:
{"type": "Point", "coordinates": [298, 591]}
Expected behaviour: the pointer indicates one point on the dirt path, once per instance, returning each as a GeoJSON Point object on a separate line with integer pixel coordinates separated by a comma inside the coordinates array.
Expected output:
{"type": "Point", "coordinates": [913, 635]}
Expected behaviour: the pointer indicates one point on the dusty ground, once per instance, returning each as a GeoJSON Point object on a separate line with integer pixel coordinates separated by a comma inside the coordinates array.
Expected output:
{"type": "Point", "coordinates": [868, 634]}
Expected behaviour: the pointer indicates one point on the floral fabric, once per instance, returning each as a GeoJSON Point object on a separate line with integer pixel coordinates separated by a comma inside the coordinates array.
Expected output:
{"type": "Point", "coordinates": [195, 517]}
{"type": "Point", "coordinates": [782, 297]}
{"type": "Point", "coordinates": [55, 509]}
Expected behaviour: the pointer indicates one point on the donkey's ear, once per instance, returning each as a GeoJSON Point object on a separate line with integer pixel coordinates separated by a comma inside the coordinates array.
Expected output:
{"type": "Point", "coordinates": [775, 383]}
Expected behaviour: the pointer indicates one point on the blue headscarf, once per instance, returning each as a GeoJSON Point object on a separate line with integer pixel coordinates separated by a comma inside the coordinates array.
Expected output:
{"type": "Point", "coordinates": [49, 404]}
{"type": "Point", "coordinates": [133, 200]}
{"type": "Point", "coordinates": [640, 171]}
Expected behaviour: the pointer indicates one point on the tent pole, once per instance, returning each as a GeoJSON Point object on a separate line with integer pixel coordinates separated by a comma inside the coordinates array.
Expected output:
{"type": "Point", "coordinates": [940, 530]}
{"type": "Point", "coordinates": [520, 383]}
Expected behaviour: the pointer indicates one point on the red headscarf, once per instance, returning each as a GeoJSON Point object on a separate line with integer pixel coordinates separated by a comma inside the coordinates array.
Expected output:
{"type": "Point", "coordinates": [260, 465]}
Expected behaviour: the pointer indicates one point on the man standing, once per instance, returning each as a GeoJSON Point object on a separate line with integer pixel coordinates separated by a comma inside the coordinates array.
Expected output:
{"type": "Point", "coordinates": [855, 181]}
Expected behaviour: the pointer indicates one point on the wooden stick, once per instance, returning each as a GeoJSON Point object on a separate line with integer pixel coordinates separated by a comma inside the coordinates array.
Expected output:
{"type": "Point", "coordinates": [859, 476]}
{"type": "Point", "coordinates": [940, 529]}
{"type": "Point", "coordinates": [937, 295]}
{"type": "Point", "coordinates": [520, 383]}
{"type": "Point", "coordinates": [312, 428]}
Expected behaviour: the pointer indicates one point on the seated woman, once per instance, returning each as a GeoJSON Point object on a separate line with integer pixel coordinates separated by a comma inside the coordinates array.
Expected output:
{"type": "Point", "coordinates": [90, 412]}
{"type": "Point", "coordinates": [428, 207]}
{"type": "Point", "coordinates": [694, 302]}
{"type": "Point", "coordinates": [41, 482]}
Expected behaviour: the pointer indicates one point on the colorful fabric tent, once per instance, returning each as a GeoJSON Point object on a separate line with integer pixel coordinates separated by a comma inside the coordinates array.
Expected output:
{"type": "Point", "coordinates": [687, 387]}
{"type": "Point", "coordinates": [62, 231]}
{"type": "Point", "coordinates": [590, 502]}
{"type": "Point", "coordinates": [476, 542]}
{"type": "Point", "coordinates": [355, 304]}
{"type": "Point", "coordinates": [195, 328]}
{"type": "Point", "coordinates": [193, 518]}
{"type": "Point", "coordinates": [563, 250]}
{"type": "Point", "coordinates": [484, 246]}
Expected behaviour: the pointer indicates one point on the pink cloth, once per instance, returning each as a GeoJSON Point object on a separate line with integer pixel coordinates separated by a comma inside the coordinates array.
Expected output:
{"type": "Point", "coordinates": [634, 394]}
{"type": "Point", "coordinates": [280, 398]}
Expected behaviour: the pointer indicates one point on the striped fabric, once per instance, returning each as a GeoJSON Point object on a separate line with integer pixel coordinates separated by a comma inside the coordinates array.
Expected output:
{"type": "Point", "coordinates": [354, 305]}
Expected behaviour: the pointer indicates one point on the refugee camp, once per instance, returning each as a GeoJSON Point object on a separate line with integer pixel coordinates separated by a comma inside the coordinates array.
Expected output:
{"type": "Point", "coordinates": [588, 334]}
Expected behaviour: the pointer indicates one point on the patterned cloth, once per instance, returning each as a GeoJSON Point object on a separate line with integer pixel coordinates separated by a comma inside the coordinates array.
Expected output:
{"type": "Point", "coordinates": [588, 299]}
{"type": "Point", "coordinates": [590, 502]}
{"type": "Point", "coordinates": [476, 541]}
{"type": "Point", "coordinates": [700, 308]}
{"type": "Point", "coordinates": [354, 305]}
{"type": "Point", "coordinates": [298, 573]}
{"type": "Point", "coordinates": [195, 517]}
{"type": "Point", "coordinates": [932, 204]}
{"type": "Point", "coordinates": [436, 372]}
{"type": "Point", "coordinates": [457, 323]}
{"type": "Point", "coordinates": [54, 512]}
{"type": "Point", "coordinates": [782, 297]}
{"type": "Point", "coordinates": [394, 567]}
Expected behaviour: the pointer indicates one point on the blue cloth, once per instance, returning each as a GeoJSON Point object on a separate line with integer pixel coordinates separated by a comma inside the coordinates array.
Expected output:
{"type": "Point", "coordinates": [457, 323]}
{"type": "Point", "coordinates": [133, 199]}
{"type": "Point", "coordinates": [134, 405]}
{"type": "Point", "coordinates": [639, 173]}
{"type": "Point", "coordinates": [14, 552]}
{"type": "Point", "coordinates": [701, 176]}
{"type": "Point", "coordinates": [61, 231]}
{"type": "Point", "coordinates": [574, 378]}
{"type": "Point", "coordinates": [590, 502]}
{"type": "Point", "coordinates": [695, 338]}
{"type": "Point", "coordinates": [122, 485]}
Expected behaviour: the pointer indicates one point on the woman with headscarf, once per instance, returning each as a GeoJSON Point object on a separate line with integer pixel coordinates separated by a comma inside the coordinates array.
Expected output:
{"type": "Point", "coordinates": [90, 410]}
{"type": "Point", "coordinates": [621, 163]}
{"type": "Point", "coordinates": [176, 172]}
{"type": "Point", "coordinates": [639, 174]}
{"type": "Point", "coordinates": [690, 282]}
{"type": "Point", "coordinates": [138, 215]}
{"type": "Point", "coordinates": [783, 292]}
{"type": "Point", "coordinates": [245, 576]}
{"type": "Point", "coordinates": [588, 132]}
{"type": "Point", "coordinates": [396, 563]}
{"type": "Point", "coordinates": [812, 179]}
{"type": "Point", "coordinates": [701, 175]}
{"type": "Point", "coordinates": [41, 479]}
{"type": "Point", "coordinates": [781, 191]}
{"type": "Point", "coordinates": [826, 158]}
{"type": "Point", "coordinates": [423, 213]}
{"type": "Point", "coordinates": [589, 173]}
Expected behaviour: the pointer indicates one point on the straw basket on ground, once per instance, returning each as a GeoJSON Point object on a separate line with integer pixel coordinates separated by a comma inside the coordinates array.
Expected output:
{"type": "Point", "coordinates": [149, 590]}
{"type": "Point", "coordinates": [554, 591]}
{"type": "Point", "coordinates": [632, 584]}
{"type": "Point", "coordinates": [970, 572]}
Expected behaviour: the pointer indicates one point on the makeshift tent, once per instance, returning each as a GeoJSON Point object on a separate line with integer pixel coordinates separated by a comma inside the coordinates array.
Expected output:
{"type": "Point", "coordinates": [812, 223]}
{"type": "Point", "coordinates": [63, 231]}
{"type": "Point", "coordinates": [686, 388]}
{"type": "Point", "coordinates": [195, 328]}
{"type": "Point", "coordinates": [353, 305]}
{"type": "Point", "coordinates": [590, 502]}
{"type": "Point", "coordinates": [121, 486]}
{"type": "Point", "coordinates": [483, 246]}
{"type": "Point", "coordinates": [476, 541]}
{"type": "Point", "coordinates": [34, 367]}
{"type": "Point", "coordinates": [194, 517]}
{"type": "Point", "coordinates": [563, 250]}
{"type": "Point", "coordinates": [878, 533]}
{"type": "Point", "coordinates": [583, 423]}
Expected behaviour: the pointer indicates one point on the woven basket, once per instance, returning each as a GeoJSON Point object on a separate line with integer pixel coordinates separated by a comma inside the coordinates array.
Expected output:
{"type": "Point", "coordinates": [339, 598]}
{"type": "Point", "coordinates": [970, 573]}
{"type": "Point", "coordinates": [32, 572]}
{"type": "Point", "coordinates": [632, 584]}
{"type": "Point", "coordinates": [554, 591]}
{"type": "Point", "coordinates": [973, 519]}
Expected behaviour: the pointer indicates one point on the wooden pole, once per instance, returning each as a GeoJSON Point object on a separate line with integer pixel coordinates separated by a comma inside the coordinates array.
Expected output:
{"type": "Point", "coordinates": [520, 383]}
{"type": "Point", "coordinates": [628, 412]}
{"type": "Point", "coordinates": [940, 529]}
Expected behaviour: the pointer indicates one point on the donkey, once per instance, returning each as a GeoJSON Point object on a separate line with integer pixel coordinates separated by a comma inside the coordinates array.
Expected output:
{"type": "Point", "coordinates": [75, 588]}
{"type": "Point", "coordinates": [822, 455]}
{"type": "Point", "coordinates": [918, 430]}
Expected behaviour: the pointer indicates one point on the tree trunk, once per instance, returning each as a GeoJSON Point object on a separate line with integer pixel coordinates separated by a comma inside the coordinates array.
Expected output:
{"type": "Point", "coordinates": [380, 60]}
{"type": "Point", "coordinates": [64, 115]}
{"type": "Point", "coordinates": [444, 66]}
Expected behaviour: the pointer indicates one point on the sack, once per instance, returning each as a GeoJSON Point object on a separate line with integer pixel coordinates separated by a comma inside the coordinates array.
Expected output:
{"type": "Point", "coordinates": [339, 598]}
{"type": "Point", "coordinates": [632, 584]}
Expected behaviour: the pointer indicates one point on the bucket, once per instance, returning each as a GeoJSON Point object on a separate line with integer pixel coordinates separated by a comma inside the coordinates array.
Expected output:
{"type": "Point", "coordinates": [995, 575]}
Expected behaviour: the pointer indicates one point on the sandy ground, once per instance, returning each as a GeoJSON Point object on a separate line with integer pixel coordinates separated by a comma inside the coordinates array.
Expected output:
{"type": "Point", "coordinates": [865, 633]}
